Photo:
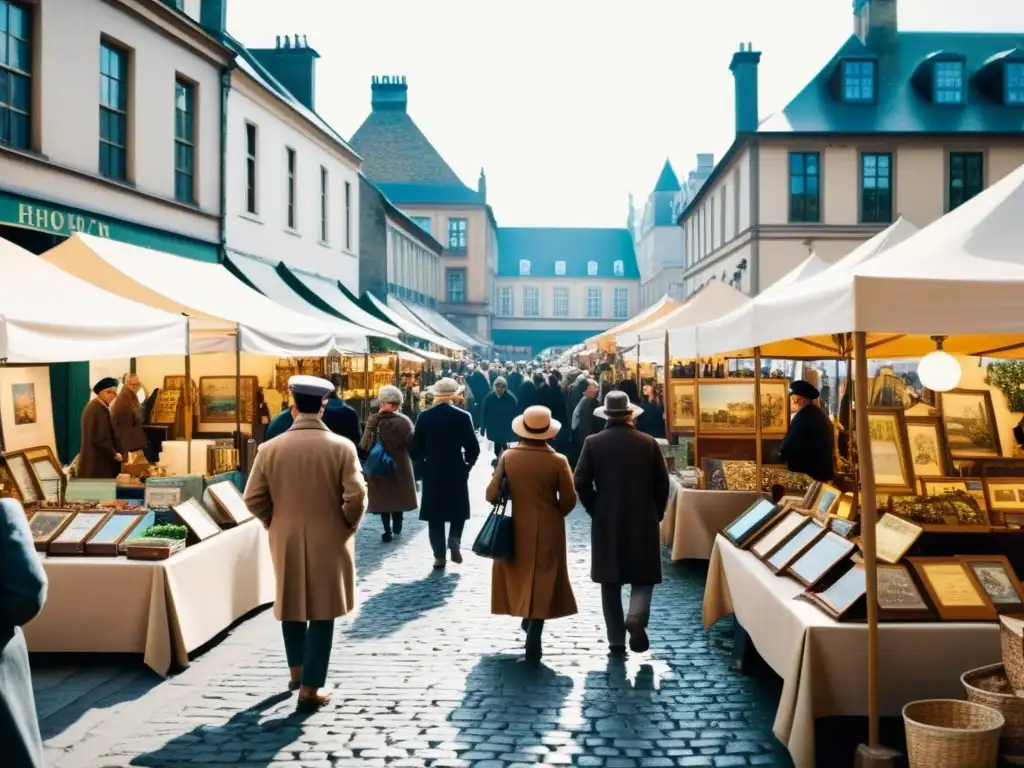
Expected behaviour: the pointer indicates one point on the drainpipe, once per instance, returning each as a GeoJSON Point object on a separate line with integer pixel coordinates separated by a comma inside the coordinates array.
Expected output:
{"type": "Point", "coordinates": [225, 89]}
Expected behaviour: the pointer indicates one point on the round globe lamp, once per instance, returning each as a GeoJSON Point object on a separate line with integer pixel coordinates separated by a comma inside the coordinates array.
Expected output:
{"type": "Point", "coordinates": [938, 370]}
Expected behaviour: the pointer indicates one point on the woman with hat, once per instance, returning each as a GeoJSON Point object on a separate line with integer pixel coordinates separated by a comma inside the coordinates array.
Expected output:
{"type": "Point", "coordinates": [535, 584]}
{"type": "Point", "coordinates": [100, 456]}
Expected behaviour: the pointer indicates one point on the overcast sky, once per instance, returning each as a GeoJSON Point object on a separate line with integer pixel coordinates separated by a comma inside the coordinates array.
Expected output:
{"type": "Point", "coordinates": [570, 105]}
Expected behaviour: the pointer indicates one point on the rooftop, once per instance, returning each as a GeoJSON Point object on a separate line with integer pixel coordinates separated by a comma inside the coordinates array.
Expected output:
{"type": "Point", "coordinates": [576, 247]}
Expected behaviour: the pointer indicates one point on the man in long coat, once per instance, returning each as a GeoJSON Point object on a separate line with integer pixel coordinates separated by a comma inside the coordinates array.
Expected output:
{"type": "Point", "coordinates": [479, 383]}
{"type": "Point", "coordinates": [307, 488]}
{"type": "Point", "coordinates": [809, 443]}
{"type": "Point", "coordinates": [446, 443]}
{"type": "Point", "coordinates": [100, 456]}
{"type": "Point", "coordinates": [622, 481]}
{"type": "Point", "coordinates": [126, 416]}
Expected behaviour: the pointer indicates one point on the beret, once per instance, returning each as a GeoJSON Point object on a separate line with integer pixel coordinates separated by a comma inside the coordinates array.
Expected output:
{"type": "Point", "coordinates": [106, 383]}
{"type": "Point", "coordinates": [803, 388]}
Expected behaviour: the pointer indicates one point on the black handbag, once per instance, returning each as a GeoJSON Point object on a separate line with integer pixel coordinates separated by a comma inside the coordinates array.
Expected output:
{"type": "Point", "coordinates": [496, 540]}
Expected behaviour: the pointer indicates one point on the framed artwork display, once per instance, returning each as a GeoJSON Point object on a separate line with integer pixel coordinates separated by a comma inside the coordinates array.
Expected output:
{"type": "Point", "coordinates": [71, 540]}
{"type": "Point", "coordinates": [45, 524]}
{"type": "Point", "coordinates": [777, 533]}
{"type": "Point", "coordinates": [217, 399]}
{"type": "Point", "coordinates": [929, 449]}
{"type": "Point", "coordinates": [726, 406]}
{"type": "Point", "coordinates": [894, 537]}
{"type": "Point", "coordinates": [997, 578]}
{"type": "Point", "coordinates": [1004, 497]}
{"type": "Point", "coordinates": [890, 451]}
{"type": "Point", "coordinates": [970, 423]}
{"type": "Point", "coordinates": [837, 599]}
{"type": "Point", "coordinates": [953, 588]}
{"type": "Point", "coordinates": [774, 406]}
{"type": "Point", "coordinates": [198, 520]}
{"type": "Point", "coordinates": [899, 598]}
{"type": "Point", "coordinates": [745, 527]}
{"type": "Point", "coordinates": [845, 508]}
{"type": "Point", "coordinates": [23, 477]}
{"type": "Point", "coordinates": [684, 404]}
{"type": "Point", "coordinates": [48, 472]}
{"type": "Point", "coordinates": [955, 512]}
{"type": "Point", "coordinates": [107, 539]}
{"type": "Point", "coordinates": [228, 499]}
{"type": "Point", "coordinates": [165, 409]}
{"type": "Point", "coordinates": [825, 500]}
{"type": "Point", "coordinates": [803, 537]}
{"type": "Point", "coordinates": [811, 495]}
{"type": "Point", "coordinates": [820, 558]}
{"type": "Point", "coordinates": [845, 528]}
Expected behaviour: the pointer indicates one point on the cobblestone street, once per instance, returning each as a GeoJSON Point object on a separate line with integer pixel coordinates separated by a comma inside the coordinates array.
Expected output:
{"type": "Point", "coordinates": [423, 675]}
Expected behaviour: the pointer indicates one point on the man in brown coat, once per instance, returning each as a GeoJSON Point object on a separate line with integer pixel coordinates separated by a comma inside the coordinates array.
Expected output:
{"type": "Point", "coordinates": [307, 488]}
{"type": "Point", "coordinates": [126, 415]}
{"type": "Point", "coordinates": [622, 481]}
{"type": "Point", "coordinates": [100, 456]}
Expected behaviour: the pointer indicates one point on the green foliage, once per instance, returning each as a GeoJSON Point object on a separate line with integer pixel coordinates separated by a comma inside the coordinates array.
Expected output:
{"type": "Point", "coordinates": [166, 531]}
{"type": "Point", "coordinates": [1008, 375]}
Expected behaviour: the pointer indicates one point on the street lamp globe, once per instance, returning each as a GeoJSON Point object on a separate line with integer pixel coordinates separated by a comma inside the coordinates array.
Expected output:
{"type": "Point", "coordinates": [939, 371]}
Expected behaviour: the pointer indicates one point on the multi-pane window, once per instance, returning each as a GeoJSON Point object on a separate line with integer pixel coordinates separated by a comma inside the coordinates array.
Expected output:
{"type": "Point", "coordinates": [949, 82]}
{"type": "Point", "coordinates": [457, 235]}
{"type": "Point", "coordinates": [324, 181]}
{"type": "Point", "coordinates": [1015, 83]}
{"type": "Point", "coordinates": [561, 302]}
{"type": "Point", "coordinates": [619, 268]}
{"type": "Point", "coordinates": [591, 268]}
{"type": "Point", "coordinates": [113, 111]}
{"type": "Point", "coordinates": [423, 222]}
{"type": "Point", "coordinates": [531, 302]}
{"type": "Point", "coordinates": [505, 304]}
{"type": "Point", "coordinates": [184, 142]}
{"type": "Point", "coordinates": [858, 81]}
{"type": "Point", "coordinates": [560, 268]}
{"type": "Point", "coordinates": [348, 216]}
{"type": "Point", "coordinates": [876, 189]}
{"type": "Point", "coordinates": [524, 266]}
{"type": "Point", "coordinates": [291, 171]}
{"type": "Point", "coordinates": [594, 302]}
{"type": "Point", "coordinates": [15, 74]}
{"type": "Point", "coordinates": [620, 303]}
{"type": "Point", "coordinates": [804, 186]}
{"type": "Point", "coordinates": [250, 168]}
{"type": "Point", "coordinates": [966, 177]}
{"type": "Point", "coordinates": [456, 279]}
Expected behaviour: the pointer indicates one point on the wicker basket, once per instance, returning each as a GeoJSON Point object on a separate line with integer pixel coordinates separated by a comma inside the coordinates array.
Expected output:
{"type": "Point", "coordinates": [990, 687]}
{"type": "Point", "coordinates": [945, 733]}
{"type": "Point", "coordinates": [1013, 654]}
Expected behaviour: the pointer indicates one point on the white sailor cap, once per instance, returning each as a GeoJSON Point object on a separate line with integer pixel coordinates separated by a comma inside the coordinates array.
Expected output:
{"type": "Point", "coordinates": [310, 385]}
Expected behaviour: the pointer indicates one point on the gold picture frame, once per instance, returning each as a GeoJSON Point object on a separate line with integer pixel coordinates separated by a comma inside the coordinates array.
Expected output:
{"type": "Point", "coordinates": [954, 589]}
{"type": "Point", "coordinates": [217, 399]}
{"type": "Point", "coordinates": [683, 404]}
{"type": "Point", "coordinates": [970, 422]}
{"type": "Point", "coordinates": [26, 483]}
{"type": "Point", "coordinates": [726, 407]}
{"type": "Point", "coordinates": [826, 498]}
{"type": "Point", "coordinates": [890, 451]}
{"type": "Point", "coordinates": [775, 407]}
{"type": "Point", "coordinates": [1004, 498]}
{"type": "Point", "coordinates": [929, 448]}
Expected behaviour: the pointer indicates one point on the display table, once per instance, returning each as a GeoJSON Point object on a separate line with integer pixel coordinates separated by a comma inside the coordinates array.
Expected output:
{"type": "Point", "coordinates": [823, 664]}
{"type": "Point", "coordinates": [162, 610]}
{"type": "Point", "coordinates": [694, 517]}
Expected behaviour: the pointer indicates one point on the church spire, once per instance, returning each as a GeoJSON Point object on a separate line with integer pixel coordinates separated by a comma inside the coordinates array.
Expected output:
{"type": "Point", "coordinates": [667, 181]}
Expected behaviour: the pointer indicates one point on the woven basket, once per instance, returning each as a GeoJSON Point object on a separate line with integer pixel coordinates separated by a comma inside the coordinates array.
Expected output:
{"type": "Point", "coordinates": [990, 687]}
{"type": "Point", "coordinates": [1013, 656]}
{"type": "Point", "coordinates": [945, 733]}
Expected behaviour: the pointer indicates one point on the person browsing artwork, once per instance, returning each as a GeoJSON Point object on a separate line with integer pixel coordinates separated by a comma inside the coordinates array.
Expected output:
{"type": "Point", "coordinates": [809, 444]}
{"type": "Point", "coordinates": [99, 457]}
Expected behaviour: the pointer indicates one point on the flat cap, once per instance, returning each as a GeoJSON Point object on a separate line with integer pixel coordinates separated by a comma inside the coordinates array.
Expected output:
{"type": "Point", "coordinates": [313, 386]}
{"type": "Point", "coordinates": [802, 388]}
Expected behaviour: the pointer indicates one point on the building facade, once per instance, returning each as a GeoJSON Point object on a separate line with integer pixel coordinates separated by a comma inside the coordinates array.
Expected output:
{"type": "Point", "coordinates": [558, 286]}
{"type": "Point", "coordinates": [898, 123]}
{"type": "Point", "coordinates": [401, 161]}
{"type": "Point", "coordinates": [659, 242]}
{"type": "Point", "coordinates": [110, 124]}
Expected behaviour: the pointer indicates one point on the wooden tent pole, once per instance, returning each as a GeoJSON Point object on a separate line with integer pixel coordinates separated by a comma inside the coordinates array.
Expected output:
{"type": "Point", "coordinates": [758, 419]}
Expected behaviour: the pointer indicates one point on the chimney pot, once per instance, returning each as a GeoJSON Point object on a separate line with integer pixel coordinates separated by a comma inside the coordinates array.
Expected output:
{"type": "Point", "coordinates": [277, 41]}
{"type": "Point", "coordinates": [388, 93]}
{"type": "Point", "coordinates": [744, 69]}
{"type": "Point", "coordinates": [213, 17]}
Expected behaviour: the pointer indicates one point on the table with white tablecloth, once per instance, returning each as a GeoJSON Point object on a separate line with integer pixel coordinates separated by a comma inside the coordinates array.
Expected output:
{"type": "Point", "coordinates": [823, 663]}
{"type": "Point", "coordinates": [694, 517]}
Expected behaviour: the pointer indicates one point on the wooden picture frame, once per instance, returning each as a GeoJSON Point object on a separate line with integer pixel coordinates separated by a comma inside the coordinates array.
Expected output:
{"type": "Point", "coordinates": [838, 598]}
{"type": "Point", "coordinates": [775, 406]}
{"type": "Point", "coordinates": [19, 468]}
{"type": "Point", "coordinates": [72, 537]}
{"type": "Point", "coordinates": [843, 526]}
{"type": "Point", "coordinates": [812, 492]}
{"type": "Point", "coordinates": [845, 508]}
{"type": "Point", "coordinates": [953, 589]}
{"type": "Point", "coordinates": [195, 517]}
{"type": "Point", "coordinates": [751, 522]}
{"type": "Point", "coordinates": [998, 579]}
{"type": "Point", "coordinates": [899, 596]}
{"type": "Point", "coordinates": [167, 406]}
{"type": "Point", "coordinates": [737, 412]}
{"type": "Point", "coordinates": [894, 537]}
{"type": "Point", "coordinates": [117, 529]}
{"type": "Point", "coordinates": [962, 412]}
{"type": "Point", "coordinates": [929, 447]}
{"type": "Point", "coordinates": [682, 397]}
{"type": "Point", "coordinates": [794, 545]}
{"type": "Point", "coordinates": [217, 399]}
{"type": "Point", "coordinates": [817, 560]}
{"type": "Point", "coordinates": [956, 512]}
{"type": "Point", "coordinates": [1004, 500]}
{"type": "Point", "coordinates": [888, 427]}
{"type": "Point", "coordinates": [825, 499]}
{"type": "Point", "coordinates": [228, 500]}
{"type": "Point", "coordinates": [775, 534]}
{"type": "Point", "coordinates": [46, 524]}
{"type": "Point", "coordinates": [48, 472]}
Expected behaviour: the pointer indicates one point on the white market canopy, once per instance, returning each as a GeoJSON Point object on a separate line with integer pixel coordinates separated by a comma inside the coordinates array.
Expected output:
{"type": "Point", "coordinates": [605, 339]}
{"type": "Point", "coordinates": [220, 303]}
{"type": "Point", "coordinates": [413, 327]}
{"type": "Point", "coordinates": [330, 293]}
{"type": "Point", "coordinates": [437, 322]}
{"type": "Point", "coordinates": [49, 316]}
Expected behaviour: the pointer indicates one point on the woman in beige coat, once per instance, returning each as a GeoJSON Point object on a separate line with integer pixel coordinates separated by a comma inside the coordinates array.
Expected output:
{"type": "Point", "coordinates": [535, 584]}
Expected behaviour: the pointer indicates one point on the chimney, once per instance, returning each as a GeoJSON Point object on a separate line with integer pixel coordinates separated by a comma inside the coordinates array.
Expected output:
{"type": "Point", "coordinates": [388, 93]}
{"type": "Point", "coordinates": [213, 17]}
{"type": "Point", "coordinates": [744, 70]}
{"type": "Point", "coordinates": [293, 64]}
{"type": "Point", "coordinates": [875, 22]}
{"type": "Point", "coordinates": [481, 185]}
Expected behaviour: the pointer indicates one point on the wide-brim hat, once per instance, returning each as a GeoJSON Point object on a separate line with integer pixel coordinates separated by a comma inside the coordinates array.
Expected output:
{"type": "Point", "coordinates": [617, 404]}
{"type": "Point", "coordinates": [445, 386]}
{"type": "Point", "coordinates": [536, 424]}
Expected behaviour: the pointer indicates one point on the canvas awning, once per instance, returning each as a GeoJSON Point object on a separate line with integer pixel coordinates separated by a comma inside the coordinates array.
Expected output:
{"type": "Point", "coordinates": [606, 340]}
{"type": "Point", "coordinates": [77, 320]}
{"type": "Point", "coordinates": [411, 326]}
{"type": "Point", "coordinates": [220, 303]}
{"type": "Point", "coordinates": [436, 322]}
{"type": "Point", "coordinates": [328, 296]}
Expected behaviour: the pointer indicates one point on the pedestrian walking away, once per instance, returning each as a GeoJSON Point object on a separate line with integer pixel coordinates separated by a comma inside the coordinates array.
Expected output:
{"type": "Point", "coordinates": [535, 585]}
{"type": "Point", "coordinates": [622, 480]}
{"type": "Point", "coordinates": [499, 409]}
{"type": "Point", "coordinates": [446, 443]}
{"type": "Point", "coordinates": [307, 488]}
{"type": "Point", "coordinates": [390, 496]}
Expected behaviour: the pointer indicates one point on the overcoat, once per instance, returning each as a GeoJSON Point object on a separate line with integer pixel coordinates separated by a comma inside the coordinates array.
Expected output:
{"type": "Point", "coordinates": [99, 444]}
{"type": "Point", "coordinates": [342, 419]}
{"type": "Point", "coordinates": [307, 485]}
{"type": "Point", "coordinates": [622, 480]}
{"type": "Point", "coordinates": [515, 381]}
{"type": "Point", "coordinates": [22, 594]}
{"type": "Point", "coordinates": [809, 444]}
{"type": "Point", "coordinates": [535, 585]}
{"type": "Point", "coordinates": [398, 492]}
{"type": "Point", "coordinates": [446, 443]}
{"type": "Point", "coordinates": [126, 416]}
{"type": "Point", "coordinates": [497, 416]}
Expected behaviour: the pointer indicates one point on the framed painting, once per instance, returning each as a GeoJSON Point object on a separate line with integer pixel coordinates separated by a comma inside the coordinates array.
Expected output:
{"type": "Point", "coordinates": [890, 451]}
{"type": "Point", "coordinates": [803, 537]}
{"type": "Point", "coordinates": [970, 422]}
{"type": "Point", "coordinates": [23, 477]}
{"type": "Point", "coordinates": [726, 406]}
{"type": "Point", "coordinates": [929, 449]}
{"type": "Point", "coordinates": [955, 512]}
{"type": "Point", "coordinates": [46, 524]}
{"type": "Point", "coordinates": [894, 537]}
{"type": "Point", "coordinates": [776, 533]}
{"type": "Point", "coordinates": [1004, 498]}
{"type": "Point", "coordinates": [774, 406]}
{"type": "Point", "coordinates": [953, 589]}
{"type": "Point", "coordinates": [217, 399]}
{"type": "Point", "coordinates": [197, 519]}
{"type": "Point", "coordinates": [754, 519]}
{"type": "Point", "coordinates": [821, 557]}
{"type": "Point", "coordinates": [899, 598]}
{"type": "Point", "coordinates": [825, 500]}
{"type": "Point", "coordinates": [48, 472]}
{"type": "Point", "coordinates": [683, 404]}
{"type": "Point", "coordinates": [997, 578]}
{"type": "Point", "coordinates": [229, 501]}
{"type": "Point", "coordinates": [838, 598]}
{"type": "Point", "coordinates": [845, 528]}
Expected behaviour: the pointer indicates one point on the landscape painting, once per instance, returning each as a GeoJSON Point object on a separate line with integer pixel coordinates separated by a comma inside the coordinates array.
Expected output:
{"type": "Point", "coordinates": [217, 399]}
{"type": "Point", "coordinates": [970, 423]}
{"type": "Point", "coordinates": [684, 406]}
{"type": "Point", "coordinates": [726, 408]}
{"type": "Point", "coordinates": [23, 397]}
{"type": "Point", "coordinates": [774, 407]}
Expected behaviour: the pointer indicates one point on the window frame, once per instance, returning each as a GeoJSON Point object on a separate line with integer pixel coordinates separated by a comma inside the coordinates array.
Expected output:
{"type": "Point", "coordinates": [291, 166]}
{"type": "Point", "coordinates": [325, 205]}
{"type": "Point", "coordinates": [449, 273]}
{"type": "Point", "coordinates": [118, 112]}
{"type": "Point", "coordinates": [17, 74]}
{"type": "Point", "coordinates": [966, 157]}
{"type": "Point", "coordinates": [619, 268]}
{"type": "Point", "coordinates": [560, 268]}
{"type": "Point", "coordinates": [459, 226]}
{"type": "Point", "coordinates": [531, 294]}
{"type": "Point", "coordinates": [595, 291]}
{"type": "Point", "coordinates": [525, 267]}
{"type": "Point", "coordinates": [871, 213]}
{"type": "Point", "coordinates": [252, 148]}
{"type": "Point", "coordinates": [418, 221]}
{"type": "Point", "coordinates": [348, 216]}
{"type": "Point", "coordinates": [937, 88]}
{"type": "Point", "coordinates": [592, 269]}
{"type": "Point", "coordinates": [848, 78]}
{"type": "Point", "coordinates": [505, 293]}
{"type": "Point", "coordinates": [559, 296]}
{"type": "Point", "coordinates": [1018, 89]}
{"type": "Point", "coordinates": [184, 144]}
{"type": "Point", "coordinates": [622, 293]}
{"type": "Point", "coordinates": [804, 217]}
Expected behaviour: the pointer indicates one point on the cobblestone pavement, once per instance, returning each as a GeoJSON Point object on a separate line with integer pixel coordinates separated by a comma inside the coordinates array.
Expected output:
{"type": "Point", "coordinates": [423, 675]}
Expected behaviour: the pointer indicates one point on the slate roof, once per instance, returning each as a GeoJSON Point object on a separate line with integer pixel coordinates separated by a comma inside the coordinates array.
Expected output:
{"type": "Point", "coordinates": [543, 246]}
{"type": "Point", "coordinates": [667, 181]}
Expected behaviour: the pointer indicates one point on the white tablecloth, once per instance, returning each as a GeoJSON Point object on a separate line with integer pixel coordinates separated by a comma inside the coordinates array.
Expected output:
{"type": "Point", "coordinates": [823, 663]}
{"type": "Point", "coordinates": [694, 517]}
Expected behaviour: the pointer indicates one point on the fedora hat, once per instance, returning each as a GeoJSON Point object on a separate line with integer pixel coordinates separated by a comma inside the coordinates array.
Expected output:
{"type": "Point", "coordinates": [617, 404]}
{"type": "Point", "coordinates": [445, 386]}
{"type": "Point", "coordinates": [536, 424]}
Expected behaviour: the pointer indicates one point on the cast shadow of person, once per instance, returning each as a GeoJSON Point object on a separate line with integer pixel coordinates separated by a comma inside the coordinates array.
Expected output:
{"type": "Point", "coordinates": [623, 709]}
{"type": "Point", "coordinates": [387, 611]}
{"type": "Point", "coordinates": [245, 738]}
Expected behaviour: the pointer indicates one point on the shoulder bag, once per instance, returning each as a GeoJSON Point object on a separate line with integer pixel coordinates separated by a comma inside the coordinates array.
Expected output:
{"type": "Point", "coordinates": [496, 540]}
{"type": "Point", "coordinates": [379, 463]}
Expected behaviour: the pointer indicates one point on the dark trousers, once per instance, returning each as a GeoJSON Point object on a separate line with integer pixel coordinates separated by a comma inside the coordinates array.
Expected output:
{"type": "Point", "coordinates": [438, 541]}
{"type": "Point", "coordinates": [611, 602]}
{"type": "Point", "coordinates": [308, 645]}
{"type": "Point", "coordinates": [392, 518]}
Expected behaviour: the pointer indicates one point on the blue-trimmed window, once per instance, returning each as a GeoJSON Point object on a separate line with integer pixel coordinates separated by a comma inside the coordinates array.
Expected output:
{"type": "Point", "coordinates": [619, 268]}
{"type": "Point", "coordinates": [113, 112]}
{"type": "Point", "coordinates": [949, 82]}
{"type": "Point", "coordinates": [966, 177]}
{"type": "Point", "coordinates": [184, 141]}
{"type": "Point", "coordinates": [876, 188]}
{"type": "Point", "coordinates": [1015, 82]}
{"type": "Point", "coordinates": [15, 74]}
{"type": "Point", "coordinates": [524, 267]}
{"type": "Point", "coordinates": [423, 222]}
{"type": "Point", "coordinates": [859, 82]}
{"type": "Point", "coordinates": [456, 284]}
{"type": "Point", "coordinates": [457, 235]}
{"type": "Point", "coordinates": [804, 187]}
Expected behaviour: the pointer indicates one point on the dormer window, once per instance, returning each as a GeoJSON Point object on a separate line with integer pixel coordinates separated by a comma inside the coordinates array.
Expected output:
{"type": "Point", "coordinates": [560, 268]}
{"type": "Point", "coordinates": [858, 82]}
{"type": "Point", "coordinates": [1015, 82]}
{"type": "Point", "coordinates": [949, 82]}
{"type": "Point", "coordinates": [524, 267]}
{"type": "Point", "coordinates": [620, 268]}
{"type": "Point", "coordinates": [591, 268]}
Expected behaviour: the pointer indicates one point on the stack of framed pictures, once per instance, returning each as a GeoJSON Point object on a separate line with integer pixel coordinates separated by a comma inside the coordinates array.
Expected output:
{"type": "Point", "coordinates": [36, 475]}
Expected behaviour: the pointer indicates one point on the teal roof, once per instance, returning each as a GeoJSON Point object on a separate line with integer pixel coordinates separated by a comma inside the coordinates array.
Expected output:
{"type": "Point", "coordinates": [430, 194]}
{"type": "Point", "coordinates": [540, 339]}
{"type": "Point", "coordinates": [667, 181]}
{"type": "Point", "coordinates": [543, 246]}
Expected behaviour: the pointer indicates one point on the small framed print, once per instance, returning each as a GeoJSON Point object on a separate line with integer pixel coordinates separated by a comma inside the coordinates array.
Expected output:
{"type": "Point", "coordinates": [1004, 497]}
{"type": "Point", "coordinates": [844, 508]}
{"type": "Point", "coordinates": [955, 512]}
{"type": "Point", "coordinates": [198, 520]}
{"type": "Point", "coordinates": [108, 538]}
{"type": "Point", "coordinates": [996, 576]}
{"type": "Point", "coordinates": [970, 422]}
{"type": "Point", "coordinates": [71, 540]}
{"type": "Point", "coordinates": [811, 495]}
{"type": "Point", "coordinates": [45, 524]}
{"type": "Point", "coordinates": [229, 501]}
{"type": "Point", "coordinates": [972, 486]}
{"type": "Point", "coordinates": [929, 448]}
{"type": "Point", "coordinates": [890, 451]}
{"type": "Point", "coordinates": [845, 528]}
{"type": "Point", "coordinates": [777, 533]}
{"type": "Point", "coordinates": [894, 537]}
{"type": "Point", "coordinates": [745, 527]}
{"type": "Point", "coordinates": [953, 588]}
{"type": "Point", "coordinates": [820, 558]}
{"type": "Point", "coordinates": [803, 537]}
{"type": "Point", "coordinates": [838, 598]}
{"type": "Point", "coordinates": [825, 499]}
{"type": "Point", "coordinates": [48, 472]}
{"type": "Point", "coordinates": [24, 479]}
{"type": "Point", "coordinates": [899, 598]}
